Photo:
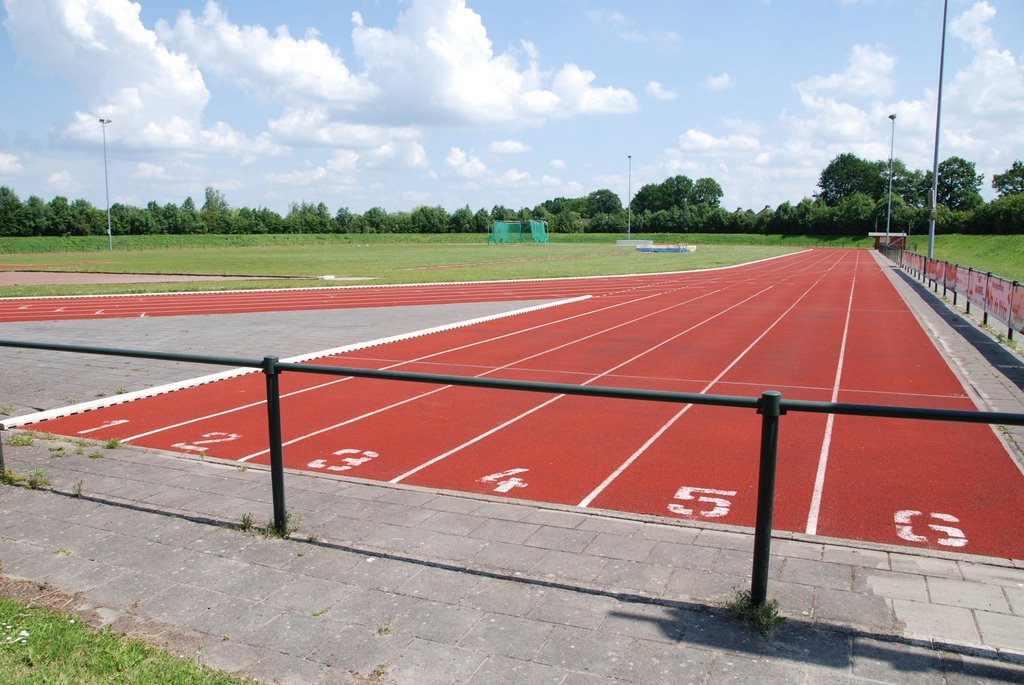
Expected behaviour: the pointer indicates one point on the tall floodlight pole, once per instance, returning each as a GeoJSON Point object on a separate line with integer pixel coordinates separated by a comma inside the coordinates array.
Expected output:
{"type": "Point", "coordinates": [629, 197]}
{"type": "Point", "coordinates": [106, 183]}
{"type": "Point", "coordinates": [934, 199]}
{"type": "Point", "coordinates": [888, 213]}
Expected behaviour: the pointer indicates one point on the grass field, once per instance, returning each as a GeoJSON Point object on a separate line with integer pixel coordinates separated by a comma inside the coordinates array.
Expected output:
{"type": "Point", "coordinates": [299, 260]}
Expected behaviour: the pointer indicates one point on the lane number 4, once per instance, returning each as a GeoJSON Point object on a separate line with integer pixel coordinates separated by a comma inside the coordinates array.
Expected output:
{"type": "Point", "coordinates": [346, 462]}
{"type": "Point", "coordinates": [707, 496]}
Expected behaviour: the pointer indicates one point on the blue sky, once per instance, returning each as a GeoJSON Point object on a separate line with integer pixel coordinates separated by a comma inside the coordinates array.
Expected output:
{"type": "Point", "coordinates": [481, 102]}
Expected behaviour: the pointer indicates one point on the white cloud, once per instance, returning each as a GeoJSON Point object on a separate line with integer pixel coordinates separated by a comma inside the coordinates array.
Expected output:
{"type": "Point", "coordinates": [722, 81]}
{"type": "Point", "coordinates": [659, 92]}
{"type": "Point", "coordinates": [154, 96]}
{"type": "Point", "coordinates": [557, 164]}
{"type": "Point", "coordinates": [695, 140]}
{"type": "Point", "coordinates": [509, 147]}
{"type": "Point", "coordinates": [10, 165]}
{"type": "Point", "coordinates": [465, 165]}
{"type": "Point", "coordinates": [298, 178]}
{"type": "Point", "coordinates": [514, 177]}
{"type": "Point", "coordinates": [315, 126]}
{"type": "Point", "coordinates": [439, 64]}
{"type": "Point", "coordinates": [869, 73]}
{"type": "Point", "coordinates": [61, 182]}
{"type": "Point", "coordinates": [151, 172]}
{"type": "Point", "coordinates": [973, 28]}
{"type": "Point", "coordinates": [271, 67]}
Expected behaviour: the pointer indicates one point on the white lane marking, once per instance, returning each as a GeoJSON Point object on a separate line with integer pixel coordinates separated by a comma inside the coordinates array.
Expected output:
{"type": "Point", "coordinates": [202, 380]}
{"type": "Point", "coordinates": [589, 381]}
{"type": "Point", "coordinates": [489, 371]}
{"type": "Point", "coordinates": [105, 424]}
{"type": "Point", "coordinates": [826, 444]}
{"type": "Point", "coordinates": [586, 501]}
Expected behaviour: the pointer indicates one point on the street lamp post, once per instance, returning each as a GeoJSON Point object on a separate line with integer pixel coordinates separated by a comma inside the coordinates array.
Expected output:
{"type": "Point", "coordinates": [888, 213]}
{"type": "Point", "coordinates": [629, 198]}
{"type": "Point", "coordinates": [106, 182]}
{"type": "Point", "coordinates": [933, 198]}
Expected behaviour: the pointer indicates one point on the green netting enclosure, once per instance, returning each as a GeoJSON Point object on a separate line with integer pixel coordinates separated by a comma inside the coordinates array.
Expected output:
{"type": "Point", "coordinates": [518, 232]}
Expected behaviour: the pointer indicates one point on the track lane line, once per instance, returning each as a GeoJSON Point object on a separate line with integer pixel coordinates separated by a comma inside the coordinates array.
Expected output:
{"type": "Point", "coordinates": [596, 492]}
{"type": "Point", "coordinates": [439, 458]}
{"type": "Point", "coordinates": [826, 443]}
{"type": "Point", "coordinates": [482, 374]}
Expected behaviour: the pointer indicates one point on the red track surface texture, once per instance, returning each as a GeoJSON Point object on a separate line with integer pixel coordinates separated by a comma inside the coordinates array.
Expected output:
{"type": "Point", "coordinates": [821, 325]}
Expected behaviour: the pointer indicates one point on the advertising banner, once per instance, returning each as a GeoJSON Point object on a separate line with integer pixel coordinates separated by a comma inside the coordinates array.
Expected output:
{"type": "Point", "coordinates": [998, 303]}
{"type": "Point", "coordinates": [950, 283]}
{"type": "Point", "coordinates": [963, 280]}
{"type": "Point", "coordinates": [978, 290]}
{"type": "Point", "coordinates": [1017, 309]}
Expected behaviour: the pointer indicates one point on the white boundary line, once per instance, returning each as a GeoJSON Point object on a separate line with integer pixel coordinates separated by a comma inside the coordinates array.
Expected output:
{"type": "Point", "coordinates": [826, 443]}
{"type": "Point", "coordinates": [342, 288]}
{"type": "Point", "coordinates": [232, 373]}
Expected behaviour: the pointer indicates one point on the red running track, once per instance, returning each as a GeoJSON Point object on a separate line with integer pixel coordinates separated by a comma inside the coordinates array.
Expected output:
{"type": "Point", "coordinates": [819, 325]}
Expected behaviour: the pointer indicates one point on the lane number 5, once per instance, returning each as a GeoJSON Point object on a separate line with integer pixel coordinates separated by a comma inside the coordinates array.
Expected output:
{"type": "Point", "coordinates": [716, 498]}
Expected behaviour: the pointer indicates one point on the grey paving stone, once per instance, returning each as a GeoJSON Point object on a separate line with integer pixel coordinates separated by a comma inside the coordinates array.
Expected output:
{"type": "Point", "coordinates": [496, 595]}
{"type": "Point", "coordinates": [818, 574]}
{"type": "Point", "coordinates": [591, 651]}
{"type": "Point", "coordinates": [703, 586]}
{"type": "Point", "coordinates": [500, 670]}
{"type": "Point", "coordinates": [452, 523]}
{"type": "Point", "coordinates": [357, 648]}
{"type": "Point", "coordinates": [499, 530]}
{"type": "Point", "coordinates": [920, 619]}
{"type": "Point", "coordinates": [892, 662]}
{"type": "Point", "coordinates": [563, 539]}
{"type": "Point", "coordinates": [854, 609]}
{"type": "Point", "coordinates": [440, 584]}
{"type": "Point", "coordinates": [1001, 630]}
{"type": "Point", "coordinates": [961, 593]}
{"type": "Point", "coordinates": [655, 662]}
{"type": "Point", "coordinates": [683, 555]}
{"type": "Point", "coordinates": [733, 668]}
{"type": "Point", "coordinates": [619, 547]}
{"type": "Point", "coordinates": [578, 609]}
{"type": "Point", "coordinates": [863, 558]}
{"type": "Point", "coordinates": [890, 584]}
{"type": "Point", "coordinates": [567, 567]}
{"type": "Point", "coordinates": [428, 662]}
{"type": "Point", "coordinates": [968, 670]}
{"type": "Point", "coordinates": [630, 576]}
{"type": "Point", "coordinates": [651, 622]}
{"type": "Point", "coordinates": [509, 636]}
{"type": "Point", "coordinates": [284, 669]}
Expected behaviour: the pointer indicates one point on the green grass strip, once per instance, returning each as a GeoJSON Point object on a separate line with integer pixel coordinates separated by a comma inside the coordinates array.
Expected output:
{"type": "Point", "coordinates": [39, 646]}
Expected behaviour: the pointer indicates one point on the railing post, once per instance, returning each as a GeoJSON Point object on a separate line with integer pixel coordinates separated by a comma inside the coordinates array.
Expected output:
{"type": "Point", "coordinates": [272, 374]}
{"type": "Point", "coordinates": [770, 409]}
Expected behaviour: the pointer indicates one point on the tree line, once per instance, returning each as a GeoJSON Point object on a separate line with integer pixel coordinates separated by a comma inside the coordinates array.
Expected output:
{"type": "Point", "coordinates": [854, 199]}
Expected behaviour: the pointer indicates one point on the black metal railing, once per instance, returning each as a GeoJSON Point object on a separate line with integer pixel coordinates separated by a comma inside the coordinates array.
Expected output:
{"type": "Point", "coordinates": [770, 405]}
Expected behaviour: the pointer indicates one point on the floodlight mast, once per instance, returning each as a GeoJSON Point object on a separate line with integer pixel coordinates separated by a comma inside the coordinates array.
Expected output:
{"type": "Point", "coordinates": [933, 200]}
{"type": "Point", "coordinates": [888, 213]}
{"type": "Point", "coordinates": [106, 182]}
{"type": "Point", "coordinates": [629, 197]}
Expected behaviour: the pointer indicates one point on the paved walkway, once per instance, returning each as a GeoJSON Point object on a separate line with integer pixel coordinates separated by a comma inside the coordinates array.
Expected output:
{"type": "Point", "coordinates": [393, 584]}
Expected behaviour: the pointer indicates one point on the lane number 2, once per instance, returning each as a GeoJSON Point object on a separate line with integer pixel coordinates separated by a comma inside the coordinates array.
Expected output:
{"type": "Point", "coordinates": [105, 424]}
{"type": "Point", "coordinates": [209, 439]}
{"type": "Point", "coordinates": [716, 498]}
{"type": "Point", "coordinates": [953, 536]}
